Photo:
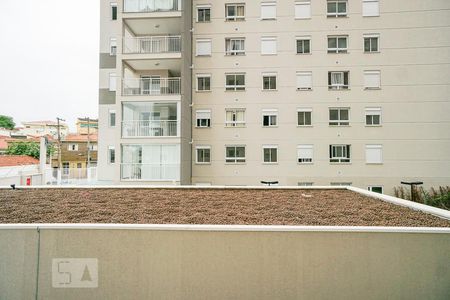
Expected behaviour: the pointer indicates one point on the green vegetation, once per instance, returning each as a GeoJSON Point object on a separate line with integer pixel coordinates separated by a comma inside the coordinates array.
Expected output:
{"type": "Point", "coordinates": [7, 122]}
{"type": "Point", "coordinates": [27, 148]}
{"type": "Point", "coordinates": [439, 198]}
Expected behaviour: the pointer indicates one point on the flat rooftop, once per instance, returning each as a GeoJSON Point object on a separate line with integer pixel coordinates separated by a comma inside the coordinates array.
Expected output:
{"type": "Point", "coordinates": [307, 207]}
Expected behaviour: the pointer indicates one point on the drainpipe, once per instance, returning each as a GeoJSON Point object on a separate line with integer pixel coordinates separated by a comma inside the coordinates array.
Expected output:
{"type": "Point", "coordinates": [42, 158]}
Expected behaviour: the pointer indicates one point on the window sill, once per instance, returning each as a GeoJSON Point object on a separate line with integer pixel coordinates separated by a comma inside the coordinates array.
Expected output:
{"type": "Point", "coordinates": [234, 164]}
{"type": "Point", "coordinates": [309, 53]}
{"type": "Point", "coordinates": [304, 90]}
{"type": "Point", "coordinates": [273, 126]}
{"type": "Point", "coordinates": [339, 126]}
{"type": "Point", "coordinates": [268, 19]}
{"type": "Point", "coordinates": [338, 16]}
{"type": "Point", "coordinates": [374, 164]}
{"type": "Point", "coordinates": [206, 91]}
{"type": "Point", "coordinates": [232, 91]}
{"type": "Point", "coordinates": [340, 164]}
{"type": "Point", "coordinates": [270, 163]}
{"type": "Point", "coordinates": [263, 90]}
{"type": "Point", "coordinates": [338, 53]}
{"type": "Point", "coordinates": [374, 125]}
{"type": "Point", "coordinates": [339, 90]}
{"type": "Point", "coordinates": [202, 127]}
{"type": "Point", "coordinates": [372, 52]}
{"type": "Point", "coordinates": [372, 89]}
{"type": "Point", "coordinates": [303, 18]}
{"type": "Point", "coordinates": [206, 55]}
{"type": "Point", "coordinates": [202, 164]}
{"type": "Point", "coordinates": [235, 20]}
{"type": "Point", "coordinates": [307, 126]}
{"type": "Point", "coordinates": [203, 22]}
{"type": "Point", "coordinates": [305, 163]}
{"type": "Point", "coordinates": [234, 127]}
{"type": "Point", "coordinates": [269, 54]}
{"type": "Point", "coordinates": [234, 55]}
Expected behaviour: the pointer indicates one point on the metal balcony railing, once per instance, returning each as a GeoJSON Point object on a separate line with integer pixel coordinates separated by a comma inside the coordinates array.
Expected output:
{"type": "Point", "coordinates": [154, 128]}
{"type": "Point", "coordinates": [151, 86]}
{"type": "Point", "coordinates": [140, 6]}
{"type": "Point", "coordinates": [150, 172]}
{"type": "Point", "coordinates": [152, 44]}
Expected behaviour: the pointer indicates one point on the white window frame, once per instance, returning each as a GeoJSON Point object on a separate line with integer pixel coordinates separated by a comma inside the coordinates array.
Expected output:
{"type": "Point", "coordinates": [374, 150]}
{"type": "Point", "coordinates": [235, 86]}
{"type": "Point", "coordinates": [337, 14]}
{"type": "Point", "coordinates": [113, 45]}
{"type": "Point", "coordinates": [303, 39]}
{"type": "Point", "coordinates": [371, 188]}
{"type": "Point", "coordinates": [366, 8]}
{"type": "Point", "coordinates": [346, 154]}
{"type": "Point", "coordinates": [271, 15]}
{"type": "Point", "coordinates": [271, 114]}
{"type": "Point", "coordinates": [110, 119]}
{"type": "Point", "coordinates": [302, 158]}
{"type": "Point", "coordinates": [370, 37]}
{"type": "Point", "coordinates": [229, 42]}
{"type": "Point", "coordinates": [339, 121]}
{"type": "Point", "coordinates": [234, 18]}
{"type": "Point", "coordinates": [305, 87]}
{"type": "Point", "coordinates": [111, 149]}
{"type": "Point", "coordinates": [304, 110]}
{"type": "Point", "coordinates": [368, 74]}
{"type": "Point", "coordinates": [197, 77]}
{"type": "Point", "coordinates": [235, 159]}
{"type": "Point", "coordinates": [233, 123]}
{"type": "Point", "coordinates": [339, 86]}
{"type": "Point", "coordinates": [270, 75]}
{"type": "Point", "coordinates": [337, 50]}
{"type": "Point", "coordinates": [202, 147]}
{"type": "Point", "coordinates": [112, 82]}
{"type": "Point", "coordinates": [270, 147]}
{"type": "Point", "coordinates": [373, 111]}
{"type": "Point", "coordinates": [205, 7]}
{"type": "Point", "coordinates": [72, 147]}
{"type": "Point", "coordinates": [199, 116]}
{"type": "Point", "coordinates": [302, 4]}
{"type": "Point", "coordinates": [269, 45]}
{"type": "Point", "coordinates": [203, 41]}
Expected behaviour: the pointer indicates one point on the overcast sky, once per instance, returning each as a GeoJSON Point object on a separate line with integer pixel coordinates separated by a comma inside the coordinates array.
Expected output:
{"type": "Point", "coordinates": [49, 58]}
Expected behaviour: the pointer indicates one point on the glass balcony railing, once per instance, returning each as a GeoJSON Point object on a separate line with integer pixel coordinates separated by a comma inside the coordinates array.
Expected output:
{"type": "Point", "coordinates": [152, 44]}
{"type": "Point", "coordinates": [143, 6]}
{"type": "Point", "coordinates": [150, 172]}
{"type": "Point", "coordinates": [151, 86]}
{"type": "Point", "coordinates": [153, 128]}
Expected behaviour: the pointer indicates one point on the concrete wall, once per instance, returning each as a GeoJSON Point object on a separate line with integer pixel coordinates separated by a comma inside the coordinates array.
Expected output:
{"type": "Point", "coordinates": [229, 262]}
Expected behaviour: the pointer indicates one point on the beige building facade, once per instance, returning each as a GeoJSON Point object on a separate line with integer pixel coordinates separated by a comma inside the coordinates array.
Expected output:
{"type": "Point", "coordinates": [299, 92]}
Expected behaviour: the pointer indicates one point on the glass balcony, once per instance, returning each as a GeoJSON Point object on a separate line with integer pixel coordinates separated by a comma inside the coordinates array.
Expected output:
{"type": "Point", "coordinates": [152, 45]}
{"type": "Point", "coordinates": [151, 86]}
{"type": "Point", "coordinates": [143, 6]}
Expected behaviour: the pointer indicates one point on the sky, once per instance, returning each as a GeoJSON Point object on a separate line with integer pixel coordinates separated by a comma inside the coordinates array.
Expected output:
{"type": "Point", "coordinates": [49, 59]}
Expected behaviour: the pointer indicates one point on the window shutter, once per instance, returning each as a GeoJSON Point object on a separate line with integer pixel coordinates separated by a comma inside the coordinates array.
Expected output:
{"type": "Point", "coordinates": [374, 154]}
{"type": "Point", "coordinates": [268, 10]}
{"type": "Point", "coordinates": [203, 114]}
{"type": "Point", "coordinates": [304, 80]}
{"type": "Point", "coordinates": [203, 47]}
{"type": "Point", "coordinates": [112, 82]}
{"type": "Point", "coordinates": [268, 46]}
{"type": "Point", "coordinates": [305, 151]}
{"type": "Point", "coordinates": [303, 9]}
{"type": "Point", "coordinates": [372, 79]}
{"type": "Point", "coordinates": [371, 8]}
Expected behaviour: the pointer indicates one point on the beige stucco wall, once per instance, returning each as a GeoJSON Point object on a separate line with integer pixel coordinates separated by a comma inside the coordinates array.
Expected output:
{"type": "Point", "coordinates": [193, 264]}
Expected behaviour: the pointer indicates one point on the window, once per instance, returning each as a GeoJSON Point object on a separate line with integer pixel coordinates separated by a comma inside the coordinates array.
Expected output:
{"type": "Point", "coordinates": [203, 47]}
{"type": "Point", "coordinates": [374, 154]}
{"type": "Point", "coordinates": [203, 154]}
{"type": "Point", "coordinates": [112, 82]}
{"type": "Point", "coordinates": [270, 117]}
{"type": "Point", "coordinates": [113, 11]}
{"type": "Point", "coordinates": [268, 46]}
{"type": "Point", "coordinates": [304, 81]}
{"type": "Point", "coordinates": [203, 82]}
{"type": "Point", "coordinates": [339, 116]}
{"type": "Point", "coordinates": [113, 46]}
{"type": "Point", "coordinates": [337, 44]}
{"type": "Point", "coordinates": [303, 9]}
{"type": "Point", "coordinates": [337, 8]}
{"type": "Point", "coordinates": [203, 118]}
{"type": "Point", "coordinates": [376, 189]}
{"type": "Point", "coordinates": [339, 153]}
{"type": "Point", "coordinates": [235, 12]}
{"type": "Point", "coordinates": [304, 45]}
{"type": "Point", "coordinates": [338, 80]}
{"type": "Point", "coordinates": [371, 43]}
{"type": "Point", "coordinates": [79, 165]}
{"type": "Point", "coordinates": [235, 117]}
{"type": "Point", "coordinates": [305, 154]}
{"type": "Point", "coordinates": [235, 46]}
{"type": "Point", "coordinates": [372, 80]}
{"type": "Point", "coordinates": [235, 154]}
{"type": "Point", "coordinates": [66, 167]}
{"type": "Point", "coordinates": [93, 147]}
{"type": "Point", "coordinates": [72, 147]}
{"type": "Point", "coordinates": [269, 81]}
{"type": "Point", "coordinates": [203, 13]}
{"type": "Point", "coordinates": [305, 183]}
{"type": "Point", "coordinates": [373, 116]}
{"type": "Point", "coordinates": [235, 82]}
{"type": "Point", "coordinates": [268, 10]}
{"type": "Point", "coordinates": [371, 8]}
{"type": "Point", "coordinates": [270, 154]}
{"type": "Point", "coordinates": [111, 154]}
{"type": "Point", "coordinates": [304, 117]}
{"type": "Point", "coordinates": [112, 118]}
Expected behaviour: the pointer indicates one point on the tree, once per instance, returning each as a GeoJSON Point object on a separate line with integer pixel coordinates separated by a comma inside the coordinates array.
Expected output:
{"type": "Point", "coordinates": [7, 122]}
{"type": "Point", "coordinates": [27, 148]}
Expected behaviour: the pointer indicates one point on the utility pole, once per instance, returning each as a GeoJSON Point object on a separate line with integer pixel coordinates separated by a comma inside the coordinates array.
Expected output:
{"type": "Point", "coordinates": [88, 143]}
{"type": "Point", "coordinates": [59, 142]}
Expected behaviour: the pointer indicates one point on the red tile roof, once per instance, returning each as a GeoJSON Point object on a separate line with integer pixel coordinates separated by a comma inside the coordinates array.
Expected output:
{"type": "Point", "coordinates": [17, 160]}
{"type": "Point", "coordinates": [72, 137]}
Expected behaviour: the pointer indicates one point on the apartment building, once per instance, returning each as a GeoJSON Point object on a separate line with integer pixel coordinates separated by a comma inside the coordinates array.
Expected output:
{"type": "Point", "coordinates": [301, 92]}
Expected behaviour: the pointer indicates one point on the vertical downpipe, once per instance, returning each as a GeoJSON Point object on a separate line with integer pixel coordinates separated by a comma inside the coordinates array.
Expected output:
{"type": "Point", "coordinates": [38, 262]}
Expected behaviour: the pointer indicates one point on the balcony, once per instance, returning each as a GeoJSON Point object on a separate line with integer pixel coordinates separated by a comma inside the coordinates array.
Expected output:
{"type": "Point", "coordinates": [150, 172]}
{"type": "Point", "coordinates": [146, 6]}
{"type": "Point", "coordinates": [154, 128]}
{"type": "Point", "coordinates": [152, 45]}
{"type": "Point", "coordinates": [151, 86]}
